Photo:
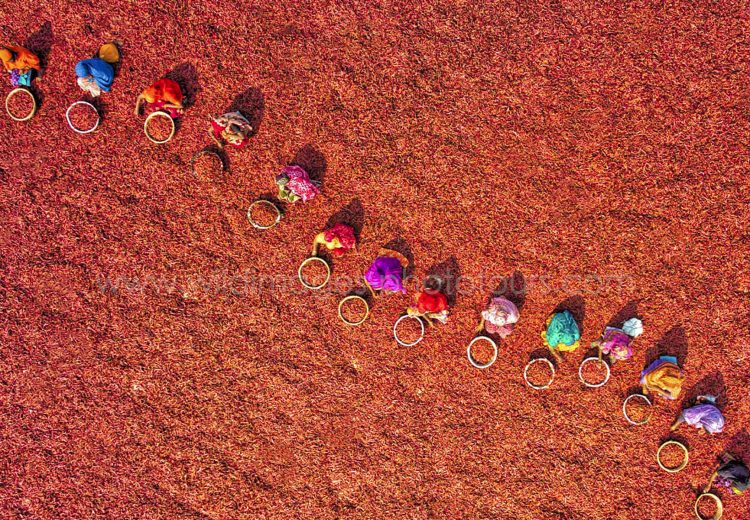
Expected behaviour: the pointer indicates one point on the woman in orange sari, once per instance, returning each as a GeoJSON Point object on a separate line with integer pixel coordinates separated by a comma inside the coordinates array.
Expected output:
{"type": "Point", "coordinates": [20, 63]}
{"type": "Point", "coordinates": [164, 95]}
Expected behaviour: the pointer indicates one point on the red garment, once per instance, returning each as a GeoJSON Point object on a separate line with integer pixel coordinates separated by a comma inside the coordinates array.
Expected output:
{"type": "Point", "coordinates": [217, 132]}
{"type": "Point", "coordinates": [164, 90]}
{"type": "Point", "coordinates": [345, 236]}
{"type": "Point", "coordinates": [436, 302]}
{"type": "Point", "coordinates": [159, 107]}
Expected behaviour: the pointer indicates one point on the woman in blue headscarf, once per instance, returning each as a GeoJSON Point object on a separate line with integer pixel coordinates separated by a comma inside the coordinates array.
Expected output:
{"type": "Point", "coordinates": [95, 76]}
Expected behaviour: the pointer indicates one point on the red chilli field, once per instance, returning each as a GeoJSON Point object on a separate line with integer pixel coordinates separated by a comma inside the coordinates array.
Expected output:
{"type": "Point", "coordinates": [161, 360]}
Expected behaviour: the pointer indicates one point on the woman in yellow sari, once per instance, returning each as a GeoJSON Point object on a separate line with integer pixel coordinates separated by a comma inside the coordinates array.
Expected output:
{"type": "Point", "coordinates": [663, 377]}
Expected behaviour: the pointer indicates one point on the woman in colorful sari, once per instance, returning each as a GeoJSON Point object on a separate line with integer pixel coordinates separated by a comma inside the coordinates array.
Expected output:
{"type": "Point", "coordinates": [387, 272]}
{"type": "Point", "coordinates": [164, 95]}
{"type": "Point", "coordinates": [500, 317]}
{"type": "Point", "coordinates": [294, 184]}
{"type": "Point", "coordinates": [704, 415]}
{"type": "Point", "coordinates": [731, 474]}
{"type": "Point", "coordinates": [562, 333]}
{"type": "Point", "coordinates": [338, 239]}
{"type": "Point", "coordinates": [20, 63]}
{"type": "Point", "coordinates": [663, 377]}
{"type": "Point", "coordinates": [95, 75]}
{"type": "Point", "coordinates": [232, 128]}
{"type": "Point", "coordinates": [430, 305]}
{"type": "Point", "coordinates": [616, 342]}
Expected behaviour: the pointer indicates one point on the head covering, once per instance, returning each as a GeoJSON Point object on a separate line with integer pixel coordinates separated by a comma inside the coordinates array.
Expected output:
{"type": "Point", "coordinates": [705, 416]}
{"type": "Point", "coordinates": [109, 53]}
{"type": "Point", "coordinates": [562, 332]}
{"type": "Point", "coordinates": [432, 301]}
{"type": "Point", "coordinates": [500, 316]}
{"type": "Point", "coordinates": [663, 377]}
{"type": "Point", "coordinates": [734, 475]}
{"type": "Point", "coordinates": [616, 343]}
{"type": "Point", "coordinates": [164, 90]}
{"type": "Point", "coordinates": [338, 238]}
{"type": "Point", "coordinates": [233, 127]}
{"type": "Point", "coordinates": [100, 70]}
{"type": "Point", "coordinates": [386, 274]}
{"type": "Point", "coordinates": [633, 327]}
{"type": "Point", "coordinates": [432, 304]}
{"type": "Point", "coordinates": [295, 184]}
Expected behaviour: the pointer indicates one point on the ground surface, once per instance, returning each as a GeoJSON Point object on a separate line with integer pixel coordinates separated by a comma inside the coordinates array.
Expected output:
{"type": "Point", "coordinates": [599, 153]}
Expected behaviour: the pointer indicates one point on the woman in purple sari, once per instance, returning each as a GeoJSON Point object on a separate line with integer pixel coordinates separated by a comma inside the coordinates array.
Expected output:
{"type": "Point", "coordinates": [387, 272]}
{"type": "Point", "coordinates": [704, 415]}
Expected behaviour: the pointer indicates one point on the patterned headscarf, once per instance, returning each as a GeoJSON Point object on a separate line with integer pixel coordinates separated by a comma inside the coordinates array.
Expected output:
{"type": "Point", "coordinates": [295, 184]}
{"type": "Point", "coordinates": [500, 316]}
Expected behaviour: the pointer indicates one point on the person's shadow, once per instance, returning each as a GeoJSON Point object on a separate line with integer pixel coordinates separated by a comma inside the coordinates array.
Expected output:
{"type": "Point", "coordinates": [513, 289]}
{"type": "Point", "coordinates": [401, 246]}
{"type": "Point", "coordinates": [629, 311]}
{"type": "Point", "coordinates": [251, 104]}
{"type": "Point", "coordinates": [576, 306]}
{"type": "Point", "coordinates": [712, 384]}
{"type": "Point", "coordinates": [739, 446]}
{"type": "Point", "coordinates": [101, 108]}
{"type": "Point", "coordinates": [40, 43]}
{"type": "Point", "coordinates": [673, 343]}
{"type": "Point", "coordinates": [313, 162]}
{"type": "Point", "coordinates": [186, 76]}
{"type": "Point", "coordinates": [353, 214]}
{"type": "Point", "coordinates": [444, 277]}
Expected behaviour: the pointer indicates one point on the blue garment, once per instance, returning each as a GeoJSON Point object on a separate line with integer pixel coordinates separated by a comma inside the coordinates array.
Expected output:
{"type": "Point", "coordinates": [100, 70]}
{"type": "Point", "coordinates": [562, 329]}
{"type": "Point", "coordinates": [20, 79]}
{"type": "Point", "coordinates": [25, 79]}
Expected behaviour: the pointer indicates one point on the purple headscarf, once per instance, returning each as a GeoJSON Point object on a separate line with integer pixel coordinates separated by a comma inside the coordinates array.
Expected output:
{"type": "Point", "coordinates": [705, 416]}
{"type": "Point", "coordinates": [385, 273]}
